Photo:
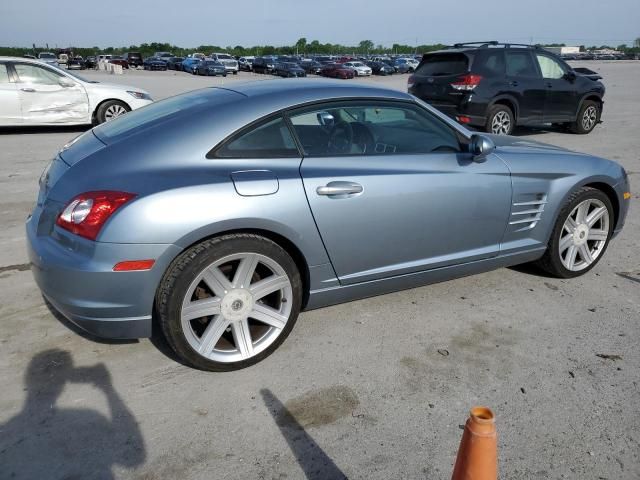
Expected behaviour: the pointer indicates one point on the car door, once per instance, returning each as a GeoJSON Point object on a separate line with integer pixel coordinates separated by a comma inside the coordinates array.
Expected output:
{"type": "Point", "coordinates": [393, 191]}
{"type": "Point", "coordinates": [561, 102]}
{"type": "Point", "coordinates": [10, 111]}
{"type": "Point", "coordinates": [526, 84]}
{"type": "Point", "coordinates": [47, 96]}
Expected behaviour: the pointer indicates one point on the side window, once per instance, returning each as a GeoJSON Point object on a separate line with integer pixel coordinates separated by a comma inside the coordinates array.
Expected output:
{"type": "Point", "coordinates": [35, 74]}
{"type": "Point", "coordinates": [520, 64]}
{"type": "Point", "coordinates": [267, 140]}
{"type": "Point", "coordinates": [492, 63]}
{"type": "Point", "coordinates": [371, 129]}
{"type": "Point", "coordinates": [549, 67]}
{"type": "Point", "coordinates": [4, 74]}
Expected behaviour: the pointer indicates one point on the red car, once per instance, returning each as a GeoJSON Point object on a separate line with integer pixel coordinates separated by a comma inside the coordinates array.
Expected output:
{"type": "Point", "coordinates": [336, 70]}
{"type": "Point", "coordinates": [119, 61]}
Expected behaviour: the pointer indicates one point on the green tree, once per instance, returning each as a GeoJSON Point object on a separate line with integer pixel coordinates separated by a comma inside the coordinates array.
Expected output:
{"type": "Point", "coordinates": [301, 45]}
{"type": "Point", "coordinates": [366, 45]}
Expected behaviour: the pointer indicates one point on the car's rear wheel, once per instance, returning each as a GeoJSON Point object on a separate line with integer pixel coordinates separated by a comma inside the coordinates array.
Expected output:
{"type": "Point", "coordinates": [588, 118]}
{"type": "Point", "coordinates": [581, 234]}
{"type": "Point", "coordinates": [500, 120]}
{"type": "Point", "coordinates": [229, 302]}
{"type": "Point", "coordinates": [111, 110]}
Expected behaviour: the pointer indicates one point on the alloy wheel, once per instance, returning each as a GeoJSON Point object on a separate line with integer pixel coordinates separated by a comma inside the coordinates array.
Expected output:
{"type": "Point", "coordinates": [236, 307]}
{"type": "Point", "coordinates": [501, 123]}
{"type": "Point", "coordinates": [584, 235]}
{"type": "Point", "coordinates": [114, 111]}
{"type": "Point", "coordinates": [589, 118]}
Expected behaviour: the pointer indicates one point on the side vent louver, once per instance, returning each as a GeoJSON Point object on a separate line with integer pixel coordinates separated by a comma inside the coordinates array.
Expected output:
{"type": "Point", "coordinates": [526, 213]}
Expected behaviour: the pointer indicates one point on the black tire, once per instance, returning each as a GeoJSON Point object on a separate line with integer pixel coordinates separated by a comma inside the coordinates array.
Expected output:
{"type": "Point", "coordinates": [551, 261]}
{"type": "Point", "coordinates": [584, 125]}
{"type": "Point", "coordinates": [235, 72]}
{"type": "Point", "coordinates": [102, 109]}
{"type": "Point", "coordinates": [191, 263]}
{"type": "Point", "coordinates": [499, 110]}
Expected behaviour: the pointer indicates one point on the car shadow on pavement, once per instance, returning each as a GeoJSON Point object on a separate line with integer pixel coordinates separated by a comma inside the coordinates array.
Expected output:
{"type": "Point", "coordinates": [44, 129]}
{"type": "Point", "coordinates": [83, 333]}
{"type": "Point", "coordinates": [315, 463]}
{"type": "Point", "coordinates": [45, 440]}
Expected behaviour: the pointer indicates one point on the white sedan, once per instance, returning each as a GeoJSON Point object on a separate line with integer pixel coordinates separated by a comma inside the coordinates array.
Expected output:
{"type": "Point", "coordinates": [34, 93]}
{"type": "Point", "coordinates": [359, 68]}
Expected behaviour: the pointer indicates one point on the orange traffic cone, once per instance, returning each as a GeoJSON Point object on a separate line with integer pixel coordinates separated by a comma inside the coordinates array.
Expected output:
{"type": "Point", "coordinates": [478, 452]}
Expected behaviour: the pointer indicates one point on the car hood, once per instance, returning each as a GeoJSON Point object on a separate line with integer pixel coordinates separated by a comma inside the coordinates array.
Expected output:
{"type": "Point", "coordinates": [113, 86]}
{"type": "Point", "coordinates": [507, 142]}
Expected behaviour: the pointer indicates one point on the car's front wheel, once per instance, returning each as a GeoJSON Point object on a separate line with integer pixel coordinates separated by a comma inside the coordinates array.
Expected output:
{"type": "Point", "coordinates": [500, 120]}
{"type": "Point", "coordinates": [588, 118]}
{"type": "Point", "coordinates": [111, 110]}
{"type": "Point", "coordinates": [581, 234]}
{"type": "Point", "coordinates": [229, 302]}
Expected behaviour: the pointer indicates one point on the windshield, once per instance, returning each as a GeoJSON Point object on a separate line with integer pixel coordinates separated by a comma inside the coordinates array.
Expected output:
{"type": "Point", "coordinates": [46, 55]}
{"type": "Point", "coordinates": [224, 57]}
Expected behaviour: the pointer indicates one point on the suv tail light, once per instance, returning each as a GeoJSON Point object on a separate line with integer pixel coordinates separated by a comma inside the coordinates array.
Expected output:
{"type": "Point", "coordinates": [88, 212]}
{"type": "Point", "coordinates": [467, 82]}
{"type": "Point", "coordinates": [411, 80]}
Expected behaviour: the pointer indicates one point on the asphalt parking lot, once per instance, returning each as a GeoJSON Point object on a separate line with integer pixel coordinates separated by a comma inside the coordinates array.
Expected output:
{"type": "Point", "coordinates": [372, 389]}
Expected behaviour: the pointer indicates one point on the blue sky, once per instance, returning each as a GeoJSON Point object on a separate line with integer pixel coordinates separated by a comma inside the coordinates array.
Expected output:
{"type": "Point", "coordinates": [282, 22]}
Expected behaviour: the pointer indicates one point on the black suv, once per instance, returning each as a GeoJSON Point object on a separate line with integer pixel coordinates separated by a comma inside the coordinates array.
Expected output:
{"type": "Point", "coordinates": [496, 86]}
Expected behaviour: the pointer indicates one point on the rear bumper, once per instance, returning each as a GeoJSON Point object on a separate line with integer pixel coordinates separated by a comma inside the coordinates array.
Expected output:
{"type": "Point", "coordinates": [75, 275]}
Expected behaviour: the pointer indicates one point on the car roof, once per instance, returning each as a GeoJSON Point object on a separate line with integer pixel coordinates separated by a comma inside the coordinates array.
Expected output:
{"type": "Point", "coordinates": [295, 91]}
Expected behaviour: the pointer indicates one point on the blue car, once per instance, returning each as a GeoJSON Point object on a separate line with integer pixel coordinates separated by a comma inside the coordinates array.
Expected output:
{"type": "Point", "coordinates": [190, 64]}
{"type": "Point", "coordinates": [224, 212]}
{"type": "Point", "coordinates": [210, 67]}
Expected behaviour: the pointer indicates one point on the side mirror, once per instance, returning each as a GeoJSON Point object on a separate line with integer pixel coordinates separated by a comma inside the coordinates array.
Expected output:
{"type": "Point", "coordinates": [570, 75]}
{"type": "Point", "coordinates": [481, 146]}
{"type": "Point", "coordinates": [326, 119]}
{"type": "Point", "coordinates": [66, 82]}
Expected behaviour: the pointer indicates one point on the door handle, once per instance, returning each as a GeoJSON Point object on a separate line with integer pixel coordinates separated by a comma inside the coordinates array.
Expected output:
{"type": "Point", "coordinates": [549, 85]}
{"type": "Point", "coordinates": [513, 83]}
{"type": "Point", "coordinates": [339, 188]}
{"type": "Point", "coordinates": [27, 89]}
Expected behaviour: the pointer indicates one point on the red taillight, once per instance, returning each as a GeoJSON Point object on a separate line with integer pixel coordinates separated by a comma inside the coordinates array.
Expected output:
{"type": "Point", "coordinates": [467, 82]}
{"type": "Point", "coordinates": [463, 119]}
{"type": "Point", "coordinates": [411, 80]}
{"type": "Point", "coordinates": [88, 212]}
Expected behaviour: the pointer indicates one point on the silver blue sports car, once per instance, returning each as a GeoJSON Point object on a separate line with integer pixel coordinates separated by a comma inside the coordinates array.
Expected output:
{"type": "Point", "coordinates": [220, 214]}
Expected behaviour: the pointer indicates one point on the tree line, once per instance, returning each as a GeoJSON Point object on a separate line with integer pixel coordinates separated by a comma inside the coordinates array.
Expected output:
{"type": "Point", "coordinates": [301, 47]}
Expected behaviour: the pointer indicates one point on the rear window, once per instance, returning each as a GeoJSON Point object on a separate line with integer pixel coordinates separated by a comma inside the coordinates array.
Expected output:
{"type": "Point", "coordinates": [443, 64]}
{"type": "Point", "coordinates": [158, 112]}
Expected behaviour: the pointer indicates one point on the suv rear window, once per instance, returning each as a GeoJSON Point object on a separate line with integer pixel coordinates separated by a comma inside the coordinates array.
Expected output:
{"type": "Point", "coordinates": [443, 64]}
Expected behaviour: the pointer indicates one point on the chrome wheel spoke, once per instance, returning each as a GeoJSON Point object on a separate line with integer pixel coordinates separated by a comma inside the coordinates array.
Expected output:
{"type": "Point", "coordinates": [570, 225]}
{"type": "Point", "coordinates": [585, 253]}
{"type": "Point", "coordinates": [212, 334]}
{"type": "Point", "coordinates": [242, 338]}
{"type": "Point", "coordinates": [269, 285]}
{"type": "Point", "coordinates": [201, 308]}
{"type": "Point", "coordinates": [245, 271]}
{"type": "Point", "coordinates": [581, 214]}
{"type": "Point", "coordinates": [570, 258]}
{"type": "Point", "coordinates": [565, 242]}
{"type": "Point", "coordinates": [598, 235]}
{"type": "Point", "coordinates": [216, 281]}
{"type": "Point", "coordinates": [268, 315]}
{"type": "Point", "coordinates": [595, 216]}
